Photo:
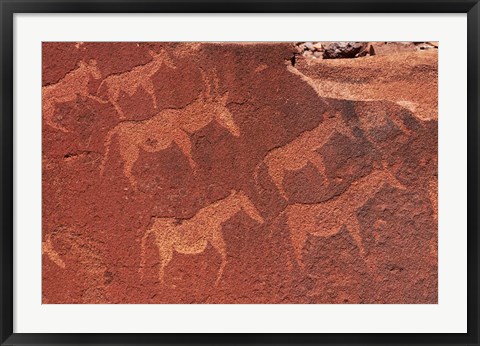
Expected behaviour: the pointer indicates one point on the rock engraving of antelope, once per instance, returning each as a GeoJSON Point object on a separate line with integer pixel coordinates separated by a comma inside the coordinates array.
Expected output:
{"type": "Point", "coordinates": [73, 85]}
{"type": "Point", "coordinates": [328, 218]}
{"type": "Point", "coordinates": [170, 126]}
{"type": "Point", "coordinates": [299, 152]}
{"type": "Point", "coordinates": [138, 77]}
{"type": "Point", "coordinates": [192, 236]}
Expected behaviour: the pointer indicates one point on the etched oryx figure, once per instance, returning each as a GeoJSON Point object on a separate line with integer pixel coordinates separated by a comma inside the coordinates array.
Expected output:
{"type": "Point", "coordinates": [192, 236]}
{"type": "Point", "coordinates": [138, 77]}
{"type": "Point", "coordinates": [73, 85]}
{"type": "Point", "coordinates": [170, 126]}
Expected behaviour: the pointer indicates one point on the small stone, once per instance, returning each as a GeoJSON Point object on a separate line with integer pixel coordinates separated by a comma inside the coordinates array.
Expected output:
{"type": "Point", "coordinates": [307, 54]}
{"type": "Point", "coordinates": [391, 48]}
{"type": "Point", "coordinates": [425, 46]}
{"type": "Point", "coordinates": [301, 47]}
{"type": "Point", "coordinates": [309, 46]}
{"type": "Point", "coordinates": [318, 55]}
{"type": "Point", "coordinates": [318, 46]}
{"type": "Point", "coordinates": [342, 50]}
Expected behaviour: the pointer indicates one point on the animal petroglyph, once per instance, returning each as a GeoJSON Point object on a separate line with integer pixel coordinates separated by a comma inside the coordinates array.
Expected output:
{"type": "Point", "coordinates": [73, 85]}
{"type": "Point", "coordinates": [302, 150]}
{"type": "Point", "coordinates": [129, 82]}
{"type": "Point", "coordinates": [192, 236]}
{"type": "Point", "coordinates": [168, 127]}
{"type": "Point", "coordinates": [328, 218]}
{"type": "Point", "coordinates": [86, 254]}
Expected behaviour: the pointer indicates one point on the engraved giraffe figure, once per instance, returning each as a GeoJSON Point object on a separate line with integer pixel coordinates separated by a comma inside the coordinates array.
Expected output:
{"type": "Point", "coordinates": [138, 77]}
{"type": "Point", "coordinates": [192, 236]}
{"type": "Point", "coordinates": [327, 218]}
{"type": "Point", "coordinates": [73, 85]}
{"type": "Point", "coordinates": [303, 150]}
{"type": "Point", "coordinates": [299, 152]}
{"type": "Point", "coordinates": [170, 126]}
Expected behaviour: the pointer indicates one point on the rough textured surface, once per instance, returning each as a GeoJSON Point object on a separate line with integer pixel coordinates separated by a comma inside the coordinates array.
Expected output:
{"type": "Point", "coordinates": [238, 173]}
{"type": "Point", "coordinates": [348, 50]}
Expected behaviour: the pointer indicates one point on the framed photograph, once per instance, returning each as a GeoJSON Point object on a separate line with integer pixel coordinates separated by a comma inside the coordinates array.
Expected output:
{"type": "Point", "coordinates": [258, 172]}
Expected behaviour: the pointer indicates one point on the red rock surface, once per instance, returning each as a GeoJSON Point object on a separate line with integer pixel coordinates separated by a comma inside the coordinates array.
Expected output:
{"type": "Point", "coordinates": [237, 173]}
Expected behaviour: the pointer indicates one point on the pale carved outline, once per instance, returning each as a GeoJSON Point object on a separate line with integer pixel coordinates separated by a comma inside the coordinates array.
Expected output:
{"type": "Point", "coordinates": [69, 88]}
{"type": "Point", "coordinates": [327, 218]}
{"type": "Point", "coordinates": [191, 236]}
{"type": "Point", "coordinates": [89, 258]}
{"type": "Point", "coordinates": [138, 77]}
{"type": "Point", "coordinates": [171, 126]}
{"type": "Point", "coordinates": [340, 210]}
{"type": "Point", "coordinates": [302, 150]}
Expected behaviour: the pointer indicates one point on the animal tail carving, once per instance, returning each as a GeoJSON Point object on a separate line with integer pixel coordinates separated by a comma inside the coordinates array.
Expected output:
{"type": "Point", "coordinates": [294, 241]}
{"type": "Point", "coordinates": [108, 142]}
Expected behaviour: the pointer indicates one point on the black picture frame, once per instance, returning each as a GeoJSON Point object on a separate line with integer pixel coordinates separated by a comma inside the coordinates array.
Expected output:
{"type": "Point", "coordinates": [9, 7]}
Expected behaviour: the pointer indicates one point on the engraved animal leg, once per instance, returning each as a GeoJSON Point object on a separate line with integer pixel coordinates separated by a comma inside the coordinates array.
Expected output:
{"type": "Point", "coordinates": [225, 119]}
{"type": "Point", "coordinates": [96, 99]}
{"type": "Point", "coordinates": [130, 157]}
{"type": "Point", "coordinates": [276, 172]}
{"type": "Point", "coordinates": [299, 237]}
{"type": "Point", "coordinates": [118, 109]}
{"type": "Point", "coordinates": [183, 141]}
{"type": "Point", "coordinates": [166, 255]}
{"type": "Point", "coordinates": [114, 96]}
{"type": "Point", "coordinates": [298, 234]}
{"type": "Point", "coordinates": [219, 244]}
{"type": "Point", "coordinates": [317, 160]}
{"type": "Point", "coordinates": [353, 227]}
{"type": "Point", "coordinates": [148, 86]}
{"type": "Point", "coordinates": [142, 252]}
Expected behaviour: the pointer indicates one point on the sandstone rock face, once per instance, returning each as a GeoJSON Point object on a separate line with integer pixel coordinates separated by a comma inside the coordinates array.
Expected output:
{"type": "Point", "coordinates": [237, 173]}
